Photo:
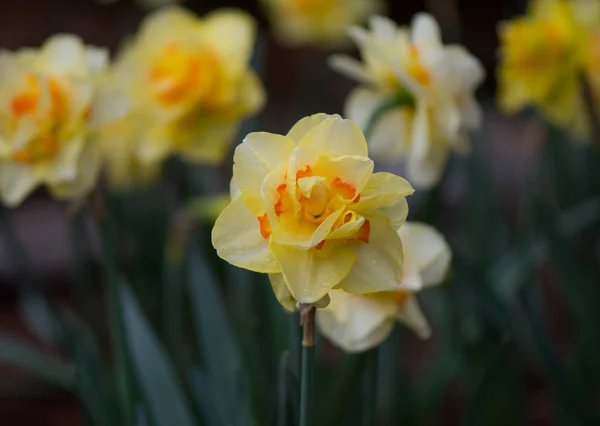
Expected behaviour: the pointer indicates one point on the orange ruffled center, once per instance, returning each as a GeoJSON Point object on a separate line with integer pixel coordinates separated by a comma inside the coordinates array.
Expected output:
{"type": "Point", "coordinates": [27, 102]}
{"type": "Point", "coordinates": [317, 197]}
{"type": "Point", "coordinates": [181, 74]}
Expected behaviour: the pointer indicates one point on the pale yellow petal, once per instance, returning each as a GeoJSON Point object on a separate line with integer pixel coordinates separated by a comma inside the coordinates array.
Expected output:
{"type": "Point", "coordinates": [378, 264]}
{"type": "Point", "coordinates": [356, 323]}
{"type": "Point", "coordinates": [253, 96]}
{"type": "Point", "coordinates": [16, 182]}
{"type": "Point", "coordinates": [425, 31]}
{"type": "Point", "coordinates": [428, 249]}
{"type": "Point", "coordinates": [352, 69]}
{"type": "Point", "coordinates": [64, 54]}
{"type": "Point", "coordinates": [231, 33]}
{"type": "Point", "coordinates": [338, 136]}
{"type": "Point", "coordinates": [236, 237]}
{"type": "Point", "coordinates": [88, 168]}
{"type": "Point", "coordinates": [258, 155]}
{"type": "Point", "coordinates": [410, 315]}
{"type": "Point", "coordinates": [305, 125]}
{"type": "Point", "coordinates": [383, 189]}
{"type": "Point", "coordinates": [282, 293]}
{"type": "Point", "coordinates": [308, 274]}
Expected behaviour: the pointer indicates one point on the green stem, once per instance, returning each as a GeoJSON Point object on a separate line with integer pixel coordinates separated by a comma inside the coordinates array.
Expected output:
{"type": "Point", "coordinates": [115, 313]}
{"type": "Point", "coordinates": [398, 100]}
{"type": "Point", "coordinates": [307, 391]}
{"type": "Point", "coordinates": [370, 387]}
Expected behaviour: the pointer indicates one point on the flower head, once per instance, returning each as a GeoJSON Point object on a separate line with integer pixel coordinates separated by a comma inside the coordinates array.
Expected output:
{"type": "Point", "coordinates": [542, 57]}
{"type": "Point", "coordinates": [51, 101]}
{"type": "Point", "coordinates": [360, 322]}
{"type": "Point", "coordinates": [189, 84]}
{"type": "Point", "coordinates": [431, 89]}
{"type": "Point", "coordinates": [298, 22]}
{"type": "Point", "coordinates": [308, 210]}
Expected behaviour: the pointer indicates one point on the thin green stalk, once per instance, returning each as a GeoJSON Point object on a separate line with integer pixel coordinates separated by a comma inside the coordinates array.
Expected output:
{"type": "Point", "coordinates": [369, 385]}
{"type": "Point", "coordinates": [295, 344]}
{"type": "Point", "coordinates": [282, 398]}
{"type": "Point", "coordinates": [401, 99]}
{"type": "Point", "coordinates": [307, 391]}
{"type": "Point", "coordinates": [115, 313]}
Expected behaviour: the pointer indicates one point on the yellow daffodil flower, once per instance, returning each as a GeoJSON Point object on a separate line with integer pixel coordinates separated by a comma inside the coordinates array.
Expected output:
{"type": "Point", "coordinates": [308, 210]}
{"type": "Point", "coordinates": [190, 86]}
{"type": "Point", "coordinates": [356, 323]}
{"type": "Point", "coordinates": [52, 104]}
{"type": "Point", "coordinates": [542, 57]}
{"type": "Point", "coordinates": [431, 86]}
{"type": "Point", "coordinates": [317, 22]}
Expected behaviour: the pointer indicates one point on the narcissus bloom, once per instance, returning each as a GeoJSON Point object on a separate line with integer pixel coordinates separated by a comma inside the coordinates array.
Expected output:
{"type": "Point", "coordinates": [431, 86]}
{"type": "Point", "coordinates": [51, 105]}
{"type": "Point", "coordinates": [542, 58]}
{"type": "Point", "coordinates": [359, 322]}
{"type": "Point", "coordinates": [308, 210]}
{"type": "Point", "coordinates": [318, 22]}
{"type": "Point", "coordinates": [190, 86]}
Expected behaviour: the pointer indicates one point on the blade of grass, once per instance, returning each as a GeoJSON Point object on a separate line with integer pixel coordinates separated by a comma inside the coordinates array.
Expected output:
{"type": "Point", "coordinates": [115, 314]}
{"type": "Point", "coordinates": [215, 336]}
{"type": "Point", "coordinates": [48, 367]}
{"type": "Point", "coordinates": [155, 375]}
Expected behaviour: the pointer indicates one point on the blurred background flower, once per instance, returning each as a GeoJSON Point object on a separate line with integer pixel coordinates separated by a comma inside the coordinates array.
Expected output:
{"type": "Point", "coordinates": [416, 100]}
{"type": "Point", "coordinates": [360, 322]}
{"type": "Point", "coordinates": [318, 22]}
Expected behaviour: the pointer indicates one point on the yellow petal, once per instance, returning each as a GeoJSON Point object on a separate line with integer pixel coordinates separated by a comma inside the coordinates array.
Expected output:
{"type": "Point", "coordinates": [305, 125]}
{"type": "Point", "coordinates": [378, 264]}
{"type": "Point", "coordinates": [353, 69]}
{"type": "Point", "coordinates": [231, 33]}
{"type": "Point", "coordinates": [338, 136]}
{"type": "Point", "coordinates": [410, 315]}
{"type": "Point", "coordinates": [252, 97]}
{"type": "Point", "coordinates": [396, 213]}
{"type": "Point", "coordinates": [88, 168]}
{"type": "Point", "coordinates": [282, 293]}
{"type": "Point", "coordinates": [236, 237]}
{"type": "Point", "coordinates": [64, 54]}
{"type": "Point", "coordinates": [428, 250]}
{"type": "Point", "coordinates": [258, 155]}
{"type": "Point", "coordinates": [16, 182]}
{"type": "Point", "coordinates": [309, 275]}
{"type": "Point", "coordinates": [383, 189]}
{"type": "Point", "coordinates": [191, 139]}
{"type": "Point", "coordinates": [356, 323]}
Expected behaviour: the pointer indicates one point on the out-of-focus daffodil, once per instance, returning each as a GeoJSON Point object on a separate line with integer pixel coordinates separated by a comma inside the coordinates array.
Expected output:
{"type": "Point", "coordinates": [318, 22]}
{"type": "Point", "coordinates": [308, 210]}
{"type": "Point", "coordinates": [427, 87]}
{"type": "Point", "coordinates": [189, 84]}
{"type": "Point", "coordinates": [51, 106]}
{"type": "Point", "coordinates": [359, 322]}
{"type": "Point", "coordinates": [542, 60]}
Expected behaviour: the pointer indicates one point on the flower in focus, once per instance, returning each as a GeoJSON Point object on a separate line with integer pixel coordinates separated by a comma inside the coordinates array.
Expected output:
{"type": "Point", "coordinates": [189, 85]}
{"type": "Point", "coordinates": [300, 22]}
{"type": "Point", "coordinates": [542, 57]}
{"type": "Point", "coordinates": [359, 322]}
{"type": "Point", "coordinates": [308, 210]}
{"type": "Point", "coordinates": [427, 87]}
{"type": "Point", "coordinates": [52, 105]}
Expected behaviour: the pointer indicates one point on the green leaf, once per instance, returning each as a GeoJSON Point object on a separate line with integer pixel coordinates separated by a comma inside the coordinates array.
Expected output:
{"type": "Point", "coordinates": [154, 373]}
{"type": "Point", "coordinates": [220, 349]}
{"type": "Point", "coordinates": [48, 367]}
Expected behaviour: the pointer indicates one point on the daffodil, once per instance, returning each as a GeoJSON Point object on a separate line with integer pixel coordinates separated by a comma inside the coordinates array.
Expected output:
{"type": "Point", "coordinates": [189, 85]}
{"type": "Point", "coordinates": [308, 210]}
{"type": "Point", "coordinates": [542, 57]}
{"type": "Point", "coordinates": [427, 89]}
{"type": "Point", "coordinates": [356, 323]}
{"type": "Point", "coordinates": [318, 22]}
{"type": "Point", "coordinates": [52, 105]}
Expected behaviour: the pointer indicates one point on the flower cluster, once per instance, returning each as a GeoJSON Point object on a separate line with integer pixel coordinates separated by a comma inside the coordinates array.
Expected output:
{"type": "Point", "coordinates": [308, 210]}
{"type": "Point", "coordinates": [416, 95]}
{"type": "Point", "coordinates": [543, 57]}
